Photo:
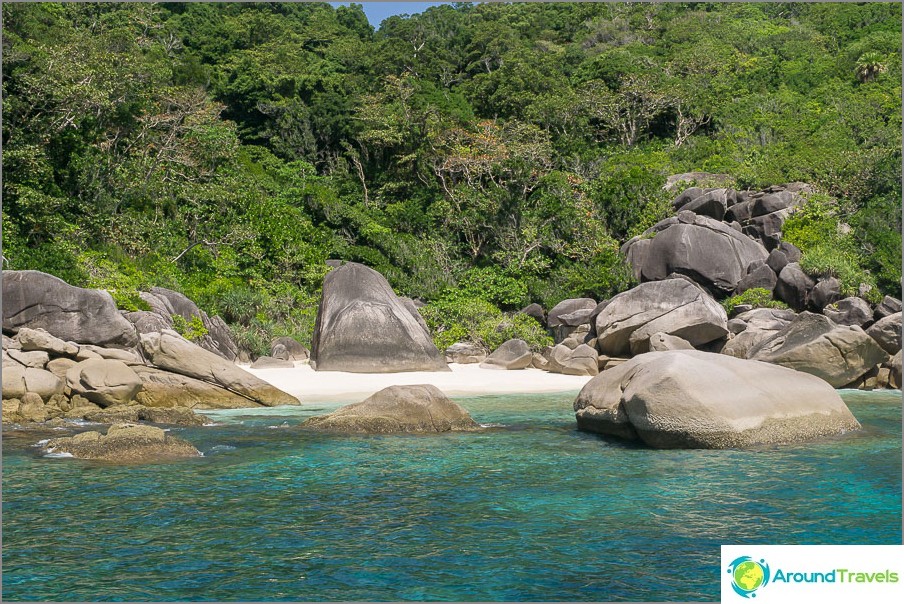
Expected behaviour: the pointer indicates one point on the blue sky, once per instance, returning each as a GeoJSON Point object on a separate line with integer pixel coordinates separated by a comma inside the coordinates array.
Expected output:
{"type": "Point", "coordinates": [377, 11]}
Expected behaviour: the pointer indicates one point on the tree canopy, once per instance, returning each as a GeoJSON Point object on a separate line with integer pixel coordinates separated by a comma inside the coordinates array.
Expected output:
{"type": "Point", "coordinates": [229, 150]}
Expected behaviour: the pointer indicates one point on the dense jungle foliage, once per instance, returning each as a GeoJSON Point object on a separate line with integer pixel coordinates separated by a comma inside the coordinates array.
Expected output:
{"type": "Point", "coordinates": [480, 156]}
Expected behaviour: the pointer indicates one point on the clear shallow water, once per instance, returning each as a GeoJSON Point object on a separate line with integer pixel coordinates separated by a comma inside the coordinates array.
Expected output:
{"type": "Point", "coordinates": [532, 510]}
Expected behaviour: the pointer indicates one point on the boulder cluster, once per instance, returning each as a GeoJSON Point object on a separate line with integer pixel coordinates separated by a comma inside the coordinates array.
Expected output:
{"type": "Point", "coordinates": [721, 242]}
{"type": "Point", "coordinates": [69, 353]}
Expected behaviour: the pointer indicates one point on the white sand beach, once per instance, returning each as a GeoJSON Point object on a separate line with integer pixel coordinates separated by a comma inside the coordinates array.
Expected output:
{"type": "Point", "coordinates": [464, 380]}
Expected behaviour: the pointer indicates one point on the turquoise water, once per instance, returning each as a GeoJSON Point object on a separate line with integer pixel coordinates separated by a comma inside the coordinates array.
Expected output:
{"type": "Point", "coordinates": [528, 510]}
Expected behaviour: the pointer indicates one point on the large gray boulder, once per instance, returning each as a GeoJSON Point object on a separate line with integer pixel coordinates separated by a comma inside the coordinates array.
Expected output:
{"type": "Point", "coordinates": [419, 408]}
{"type": "Point", "coordinates": [511, 354]}
{"type": "Point", "coordinates": [887, 333]}
{"type": "Point", "coordinates": [691, 399]}
{"type": "Point", "coordinates": [760, 277]}
{"type": "Point", "coordinates": [289, 349]}
{"type": "Point", "coordinates": [793, 286]}
{"type": "Point", "coordinates": [849, 311]}
{"type": "Point", "coordinates": [568, 307]}
{"type": "Point", "coordinates": [712, 204]}
{"type": "Point", "coordinates": [170, 351]}
{"type": "Point", "coordinates": [812, 343]}
{"type": "Point", "coordinates": [39, 339]}
{"type": "Point", "coordinates": [708, 251]}
{"type": "Point", "coordinates": [582, 360]}
{"type": "Point", "coordinates": [124, 443]}
{"type": "Point", "coordinates": [825, 292]}
{"type": "Point", "coordinates": [164, 389]}
{"type": "Point", "coordinates": [363, 327]}
{"type": "Point", "coordinates": [674, 307]}
{"type": "Point", "coordinates": [104, 382]}
{"type": "Point", "coordinates": [660, 342]}
{"type": "Point", "coordinates": [888, 306]}
{"type": "Point", "coordinates": [40, 301]}
{"type": "Point", "coordinates": [536, 311]}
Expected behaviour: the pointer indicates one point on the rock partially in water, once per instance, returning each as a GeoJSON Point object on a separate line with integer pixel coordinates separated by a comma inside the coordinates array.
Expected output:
{"type": "Point", "coordinates": [118, 414]}
{"type": "Point", "coordinates": [692, 399]}
{"type": "Point", "coordinates": [164, 389]}
{"type": "Point", "coordinates": [413, 409]}
{"type": "Point", "coordinates": [124, 443]}
{"type": "Point", "coordinates": [170, 351]}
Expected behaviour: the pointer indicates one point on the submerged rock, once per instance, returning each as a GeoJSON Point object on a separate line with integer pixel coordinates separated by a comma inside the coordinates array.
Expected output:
{"type": "Point", "coordinates": [692, 399]}
{"type": "Point", "coordinates": [124, 443]}
{"type": "Point", "coordinates": [363, 327]}
{"type": "Point", "coordinates": [419, 408]}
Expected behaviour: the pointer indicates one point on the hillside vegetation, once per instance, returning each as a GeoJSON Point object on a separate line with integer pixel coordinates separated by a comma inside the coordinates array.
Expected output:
{"type": "Point", "coordinates": [480, 156]}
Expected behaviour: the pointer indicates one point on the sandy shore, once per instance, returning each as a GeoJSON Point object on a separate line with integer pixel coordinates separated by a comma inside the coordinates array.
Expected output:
{"type": "Point", "coordinates": [464, 380]}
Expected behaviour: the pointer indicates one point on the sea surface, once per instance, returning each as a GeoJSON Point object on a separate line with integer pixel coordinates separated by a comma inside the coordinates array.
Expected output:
{"type": "Point", "coordinates": [529, 509]}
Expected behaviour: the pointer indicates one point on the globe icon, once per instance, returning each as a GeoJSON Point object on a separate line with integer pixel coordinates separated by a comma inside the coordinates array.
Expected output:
{"type": "Point", "coordinates": [748, 575]}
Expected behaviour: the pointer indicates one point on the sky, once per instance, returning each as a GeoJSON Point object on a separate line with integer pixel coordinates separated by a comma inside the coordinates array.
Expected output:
{"type": "Point", "coordinates": [377, 11]}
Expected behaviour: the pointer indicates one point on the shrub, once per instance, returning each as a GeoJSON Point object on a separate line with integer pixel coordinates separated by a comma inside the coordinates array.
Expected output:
{"type": "Point", "coordinates": [757, 297]}
{"type": "Point", "coordinates": [458, 318]}
{"type": "Point", "coordinates": [192, 330]}
{"type": "Point", "coordinates": [828, 249]}
{"type": "Point", "coordinates": [122, 279]}
{"type": "Point", "coordinates": [492, 285]}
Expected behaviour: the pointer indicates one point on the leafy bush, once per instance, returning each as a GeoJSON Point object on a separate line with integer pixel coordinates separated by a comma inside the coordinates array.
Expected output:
{"type": "Point", "coordinates": [192, 330]}
{"type": "Point", "coordinates": [758, 297]}
{"type": "Point", "coordinates": [463, 319]}
{"type": "Point", "coordinates": [828, 248]}
{"type": "Point", "coordinates": [119, 276]}
{"type": "Point", "coordinates": [492, 285]}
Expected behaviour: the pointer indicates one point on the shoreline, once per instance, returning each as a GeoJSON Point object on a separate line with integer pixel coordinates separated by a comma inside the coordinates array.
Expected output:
{"type": "Point", "coordinates": [311, 386]}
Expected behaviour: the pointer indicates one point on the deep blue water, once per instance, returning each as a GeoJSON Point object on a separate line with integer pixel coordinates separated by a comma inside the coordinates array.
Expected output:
{"type": "Point", "coordinates": [529, 510]}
